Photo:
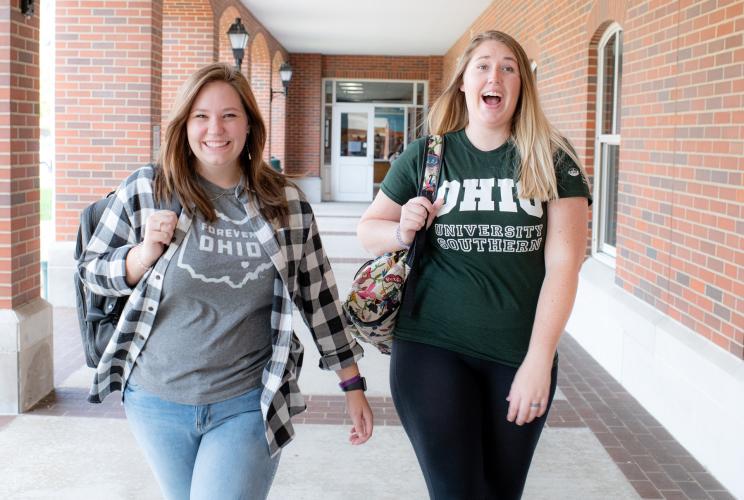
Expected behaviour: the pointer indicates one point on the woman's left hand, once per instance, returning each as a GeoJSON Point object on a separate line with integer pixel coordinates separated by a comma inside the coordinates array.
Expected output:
{"type": "Point", "coordinates": [361, 417]}
{"type": "Point", "coordinates": [528, 396]}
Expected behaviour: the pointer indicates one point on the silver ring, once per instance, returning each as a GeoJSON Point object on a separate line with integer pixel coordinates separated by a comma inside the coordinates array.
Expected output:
{"type": "Point", "coordinates": [535, 405]}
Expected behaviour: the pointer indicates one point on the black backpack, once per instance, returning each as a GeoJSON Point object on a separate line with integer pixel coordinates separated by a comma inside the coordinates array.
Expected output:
{"type": "Point", "coordinates": [98, 314]}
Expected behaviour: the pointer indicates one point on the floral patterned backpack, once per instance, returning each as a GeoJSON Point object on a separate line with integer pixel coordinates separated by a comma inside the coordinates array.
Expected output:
{"type": "Point", "coordinates": [385, 285]}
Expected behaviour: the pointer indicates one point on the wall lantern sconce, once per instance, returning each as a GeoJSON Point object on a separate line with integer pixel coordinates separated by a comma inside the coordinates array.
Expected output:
{"type": "Point", "coordinates": [27, 7]}
{"type": "Point", "coordinates": [285, 73]}
{"type": "Point", "coordinates": [238, 39]}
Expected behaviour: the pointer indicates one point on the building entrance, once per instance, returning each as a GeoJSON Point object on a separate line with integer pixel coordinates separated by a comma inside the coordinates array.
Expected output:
{"type": "Point", "coordinates": [367, 124]}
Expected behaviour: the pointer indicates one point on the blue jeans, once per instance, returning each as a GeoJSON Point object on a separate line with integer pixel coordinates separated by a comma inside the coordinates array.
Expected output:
{"type": "Point", "coordinates": [200, 452]}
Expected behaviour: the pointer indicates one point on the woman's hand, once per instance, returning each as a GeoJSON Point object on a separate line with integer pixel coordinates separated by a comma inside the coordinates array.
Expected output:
{"type": "Point", "coordinates": [414, 214]}
{"type": "Point", "coordinates": [159, 229]}
{"type": "Point", "coordinates": [528, 396]}
{"type": "Point", "coordinates": [361, 417]}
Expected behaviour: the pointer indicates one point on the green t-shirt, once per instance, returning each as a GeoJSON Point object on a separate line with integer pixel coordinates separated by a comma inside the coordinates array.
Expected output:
{"type": "Point", "coordinates": [484, 262]}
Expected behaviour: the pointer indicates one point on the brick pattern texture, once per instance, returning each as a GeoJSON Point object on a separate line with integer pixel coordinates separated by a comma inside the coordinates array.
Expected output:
{"type": "Point", "coordinates": [303, 115]}
{"type": "Point", "coordinates": [680, 234]}
{"type": "Point", "coordinates": [19, 157]}
{"type": "Point", "coordinates": [107, 98]}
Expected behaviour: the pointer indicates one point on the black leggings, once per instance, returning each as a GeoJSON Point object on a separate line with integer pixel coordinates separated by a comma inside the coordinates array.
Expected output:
{"type": "Point", "coordinates": [453, 408]}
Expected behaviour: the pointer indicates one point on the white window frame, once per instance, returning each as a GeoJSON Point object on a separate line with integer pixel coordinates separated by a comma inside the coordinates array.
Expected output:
{"type": "Point", "coordinates": [601, 250]}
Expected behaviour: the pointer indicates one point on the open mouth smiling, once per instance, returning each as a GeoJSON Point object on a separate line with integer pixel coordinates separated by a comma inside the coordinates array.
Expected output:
{"type": "Point", "coordinates": [491, 98]}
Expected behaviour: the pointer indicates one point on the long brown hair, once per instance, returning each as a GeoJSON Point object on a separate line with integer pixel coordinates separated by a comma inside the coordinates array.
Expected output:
{"type": "Point", "coordinates": [536, 140]}
{"type": "Point", "coordinates": [177, 174]}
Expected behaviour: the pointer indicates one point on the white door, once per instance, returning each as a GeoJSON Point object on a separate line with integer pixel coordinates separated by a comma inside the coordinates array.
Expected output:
{"type": "Point", "coordinates": [353, 152]}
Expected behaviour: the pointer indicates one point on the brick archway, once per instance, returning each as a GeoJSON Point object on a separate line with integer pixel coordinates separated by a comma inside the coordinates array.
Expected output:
{"type": "Point", "coordinates": [261, 78]}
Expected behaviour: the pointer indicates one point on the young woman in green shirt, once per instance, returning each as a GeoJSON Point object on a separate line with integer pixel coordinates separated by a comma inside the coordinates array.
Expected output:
{"type": "Point", "coordinates": [473, 369]}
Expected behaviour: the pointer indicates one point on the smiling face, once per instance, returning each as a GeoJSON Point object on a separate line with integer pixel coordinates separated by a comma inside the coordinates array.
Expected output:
{"type": "Point", "coordinates": [217, 128]}
{"type": "Point", "coordinates": [492, 86]}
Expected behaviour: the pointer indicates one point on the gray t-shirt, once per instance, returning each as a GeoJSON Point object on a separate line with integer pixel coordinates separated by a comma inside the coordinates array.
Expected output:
{"type": "Point", "coordinates": [212, 335]}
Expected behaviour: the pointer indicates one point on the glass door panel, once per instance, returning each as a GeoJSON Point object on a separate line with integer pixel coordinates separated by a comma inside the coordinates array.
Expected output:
{"type": "Point", "coordinates": [352, 151]}
{"type": "Point", "coordinates": [354, 134]}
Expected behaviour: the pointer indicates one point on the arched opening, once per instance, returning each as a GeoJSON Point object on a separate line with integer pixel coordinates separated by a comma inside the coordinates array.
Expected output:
{"type": "Point", "coordinates": [261, 78]}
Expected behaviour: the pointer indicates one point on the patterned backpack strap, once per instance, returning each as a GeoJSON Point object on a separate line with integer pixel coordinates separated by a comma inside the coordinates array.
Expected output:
{"type": "Point", "coordinates": [434, 155]}
{"type": "Point", "coordinates": [434, 152]}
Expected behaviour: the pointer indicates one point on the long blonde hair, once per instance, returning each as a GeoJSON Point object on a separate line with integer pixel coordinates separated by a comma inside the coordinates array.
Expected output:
{"type": "Point", "coordinates": [177, 174]}
{"type": "Point", "coordinates": [536, 140]}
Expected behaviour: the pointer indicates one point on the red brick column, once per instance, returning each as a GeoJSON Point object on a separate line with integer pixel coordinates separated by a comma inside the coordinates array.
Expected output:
{"type": "Point", "coordinates": [188, 44]}
{"type": "Point", "coordinates": [26, 361]}
{"type": "Point", "coordinates": [303, 115]}
{"type": "Point", "coordinates": [107, 98]}
{"type": "Point", "coordinates": [19, 157]}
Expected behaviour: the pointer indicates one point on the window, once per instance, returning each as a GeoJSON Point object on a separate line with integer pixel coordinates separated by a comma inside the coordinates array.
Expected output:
{"type": "Point", "coordinates": [607, 145]}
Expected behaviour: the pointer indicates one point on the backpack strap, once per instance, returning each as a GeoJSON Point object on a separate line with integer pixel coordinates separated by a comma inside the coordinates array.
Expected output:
{"type": "Point", "coordinates": [431, 172]}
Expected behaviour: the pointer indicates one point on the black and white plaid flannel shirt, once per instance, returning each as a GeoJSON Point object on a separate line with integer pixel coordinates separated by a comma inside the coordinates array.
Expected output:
{"type": "Point", "coordinates": [303, 275]}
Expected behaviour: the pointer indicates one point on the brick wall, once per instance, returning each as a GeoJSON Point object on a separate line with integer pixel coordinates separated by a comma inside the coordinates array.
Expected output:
{"type": "Point", "coordinates": [303, 115]}
{"type": "Point", "coordinates": [305, 100]}
{"type": "Point", "coordinates": [19, 157]}
{"type": "Point", "coordinates": [682, 201]}
{"type": "Point", "coordinates": [107, 90]}
{"type": "Point", "coordinates": [680, 209]}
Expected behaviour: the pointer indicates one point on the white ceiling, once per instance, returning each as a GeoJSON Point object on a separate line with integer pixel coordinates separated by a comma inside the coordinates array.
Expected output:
{"type": "Point", "coordinates": [367, 27]}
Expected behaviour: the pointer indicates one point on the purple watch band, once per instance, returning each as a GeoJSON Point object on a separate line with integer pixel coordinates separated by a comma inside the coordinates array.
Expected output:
{"type": "Point", "coordinates": [350, 381]}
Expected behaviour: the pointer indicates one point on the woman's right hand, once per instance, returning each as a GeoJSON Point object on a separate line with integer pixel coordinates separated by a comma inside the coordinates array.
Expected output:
{"type": "Point", "coordinates": [159, 229]}
{"type": "Point", "coordinates": [414, 214]}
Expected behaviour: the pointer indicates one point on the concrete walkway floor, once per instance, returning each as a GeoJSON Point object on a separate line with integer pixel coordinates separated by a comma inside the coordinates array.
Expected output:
{"type": "Point", "coordinates": [598, 443]}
